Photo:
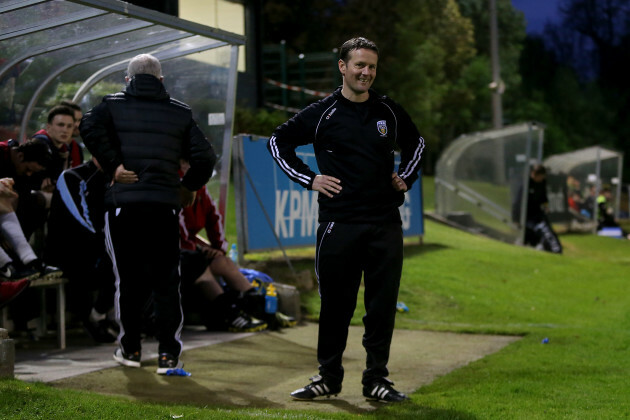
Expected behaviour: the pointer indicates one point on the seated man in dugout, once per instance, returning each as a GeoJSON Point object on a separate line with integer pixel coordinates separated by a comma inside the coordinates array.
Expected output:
{"type": "Point", "coordinates": [60, 127]}
{"type": "Point", "coordinates": [66, 153]}
{"type": "Point", "coordinates": [76, 243]}
{"type": "Point", "coordinates": [238, 306]}
{"type": "Point", "coordinates": [17, 162]}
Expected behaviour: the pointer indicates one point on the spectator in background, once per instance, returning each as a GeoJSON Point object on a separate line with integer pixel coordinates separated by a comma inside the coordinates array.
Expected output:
{"type": "Point", "coordinates": [606, 213]}
{"type": "Point", "coordinates": [588, 206]}
{"type": "Point", "coordinates": [538, 230]}
{"type": "Point", "coordinates": [574, 197]}
{"type": "Point", "coordinates": [138, 137]}
{"type": "Point", "coordinates": [575, 201]}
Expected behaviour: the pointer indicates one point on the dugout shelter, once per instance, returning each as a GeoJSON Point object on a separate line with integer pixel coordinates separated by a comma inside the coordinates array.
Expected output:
{"type": "Point", "coordinates": [589, 170]}
{"type": "Point", "coordinates": [479, 179]}
{"type": "Point", "coordinates": [79, 50]}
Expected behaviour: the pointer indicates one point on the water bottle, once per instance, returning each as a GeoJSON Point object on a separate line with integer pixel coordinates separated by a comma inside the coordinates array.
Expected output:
{"type": "Point", "coordinates": [271, 300]}
{"type": "Point", "coordinates": [401, 307]}
{"type": "Point", "coordinates": [256, 285]}
{"type": "Point", "coordinates": [234, 254]}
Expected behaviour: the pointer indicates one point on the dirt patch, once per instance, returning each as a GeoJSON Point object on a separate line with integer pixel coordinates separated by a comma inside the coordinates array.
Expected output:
{"type": "Point", "coordinates": [262, 369]}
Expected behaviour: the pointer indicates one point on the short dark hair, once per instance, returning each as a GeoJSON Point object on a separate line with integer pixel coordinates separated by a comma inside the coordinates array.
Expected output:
{"type": "Point", "coordinates": [356, 44]}
{"type": "Point", "coordinates": [36, 150]}
{"type": "Point", "coordinates": [59, 110]}
{"type": "Point", "coordinates": [72, 105]}
{"type": "Point", "coordinates": [539, 169]}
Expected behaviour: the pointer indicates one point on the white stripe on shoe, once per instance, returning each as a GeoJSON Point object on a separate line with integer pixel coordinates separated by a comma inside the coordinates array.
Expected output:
{"type": "Point", "coordinates": [320, 389]}
{"type": "Point", "coordinates": [380, 391]}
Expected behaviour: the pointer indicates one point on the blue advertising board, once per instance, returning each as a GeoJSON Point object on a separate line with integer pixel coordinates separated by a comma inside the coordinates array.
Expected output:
{"type": "Point", "coordinates": [289, 209]}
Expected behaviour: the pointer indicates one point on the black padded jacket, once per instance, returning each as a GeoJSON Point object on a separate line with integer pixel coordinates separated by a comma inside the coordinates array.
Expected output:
{"type": "Point", "coordinates": [147, 131]}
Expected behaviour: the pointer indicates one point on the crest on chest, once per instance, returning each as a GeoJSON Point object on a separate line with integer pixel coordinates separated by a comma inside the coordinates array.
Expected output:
{"type": "Point", "coordinates": [382, 127]}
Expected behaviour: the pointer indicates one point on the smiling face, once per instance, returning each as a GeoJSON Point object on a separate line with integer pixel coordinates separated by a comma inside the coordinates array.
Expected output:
{"type": "Point", "coordinates": [60, 129]}
{"type": "Point", "coordinates": [358, 74]}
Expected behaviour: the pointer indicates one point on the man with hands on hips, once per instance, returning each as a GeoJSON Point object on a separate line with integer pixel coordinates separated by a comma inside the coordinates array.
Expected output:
{"type": "Point", "coordinates": [139, 136]}
{"type": "Point", "coordinates": [354, 133]}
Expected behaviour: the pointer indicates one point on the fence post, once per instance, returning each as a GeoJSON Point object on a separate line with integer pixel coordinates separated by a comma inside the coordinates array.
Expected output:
{"type": "Point", "coordinates": [301, 60]}
{"type": "Point", "coordinates": [283, 72]}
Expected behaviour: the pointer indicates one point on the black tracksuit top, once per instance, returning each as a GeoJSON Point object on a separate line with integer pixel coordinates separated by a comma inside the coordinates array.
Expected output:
{"type": "Point", "coordinates": [354, 142]}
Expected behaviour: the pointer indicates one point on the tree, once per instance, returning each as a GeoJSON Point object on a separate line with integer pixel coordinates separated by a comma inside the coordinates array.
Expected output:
{"type": "Point", "coordinates": [593, 41]}
{"type": "Point", "coordinates": [434, 54]}
{"type": "Point", "coordinates": [602, 27]}
{"type": "Point", "coordinates": [305, 25]}
{"type": "Point", "coordinates": [433, 81]}
{"type": "Point", "coordinates": [511, 25]}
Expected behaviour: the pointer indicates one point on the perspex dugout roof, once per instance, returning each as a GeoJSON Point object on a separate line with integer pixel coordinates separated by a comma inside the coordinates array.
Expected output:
{"type": "Point", "coordinates": [566, 162]}
{"type": "Point", "coordinates": [479, 178]}
{"type": "Point", "coordinates": [61, 49]}
{"type": "Point", "coordinates": [595, 165]}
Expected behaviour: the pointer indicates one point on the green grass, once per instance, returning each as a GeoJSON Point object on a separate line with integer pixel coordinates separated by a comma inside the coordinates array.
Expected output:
{"type": "Point", "coordinates": [458, 282]}
{"type": "Point", "coordinates": [579, 301]}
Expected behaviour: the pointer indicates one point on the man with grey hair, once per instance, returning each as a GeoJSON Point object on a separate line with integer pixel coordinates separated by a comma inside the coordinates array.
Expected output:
{"type": "Point", "coordinates": [144, 64]}
{"type": "Point", "coordinates": [139, 136]}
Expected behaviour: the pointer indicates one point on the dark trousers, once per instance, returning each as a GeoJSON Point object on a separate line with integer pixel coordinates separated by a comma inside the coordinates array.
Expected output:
{"type": "Point", "coordinates": [541, 234]}
{"type": "Point", "coordinates": [143, 243]}
{"type": "Point", "coordinates": [91, 284]}
{"type": "Point", "coordinates": [345, 252]}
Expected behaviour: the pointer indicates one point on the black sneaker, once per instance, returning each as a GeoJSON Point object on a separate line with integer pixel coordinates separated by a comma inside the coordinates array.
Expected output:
{"type": "Point", "coordinates": [319, 387]}
{"type": "Point", "coordinates": [278, 320]}
{"type": "Point", "coordinates": [242, 322]}
{"type": "Point", "coordinates": [10, 273]}
{"type": "Point", "coordinates": [381, 390]}
{"type": "Point", "coordinates": [167, 362]}
{"type": "Point", "coordinates": [131, 360]}
{"type": "Point", "coordinates": [285, 321]}
{"type": "Point", "coordinates": [47, 272]}
{"type": "Point", "coordinates": [50, 272]}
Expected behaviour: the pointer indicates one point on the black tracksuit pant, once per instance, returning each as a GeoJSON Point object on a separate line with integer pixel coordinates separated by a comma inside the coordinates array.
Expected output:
{"type": "Point", "coordinates": [143, 243]}
{"type": "Point", "coordinates": [345, 252]}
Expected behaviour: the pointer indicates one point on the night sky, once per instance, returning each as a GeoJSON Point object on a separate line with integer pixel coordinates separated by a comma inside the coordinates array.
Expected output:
{"type": "Point", "coordinates": [537, 13]}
